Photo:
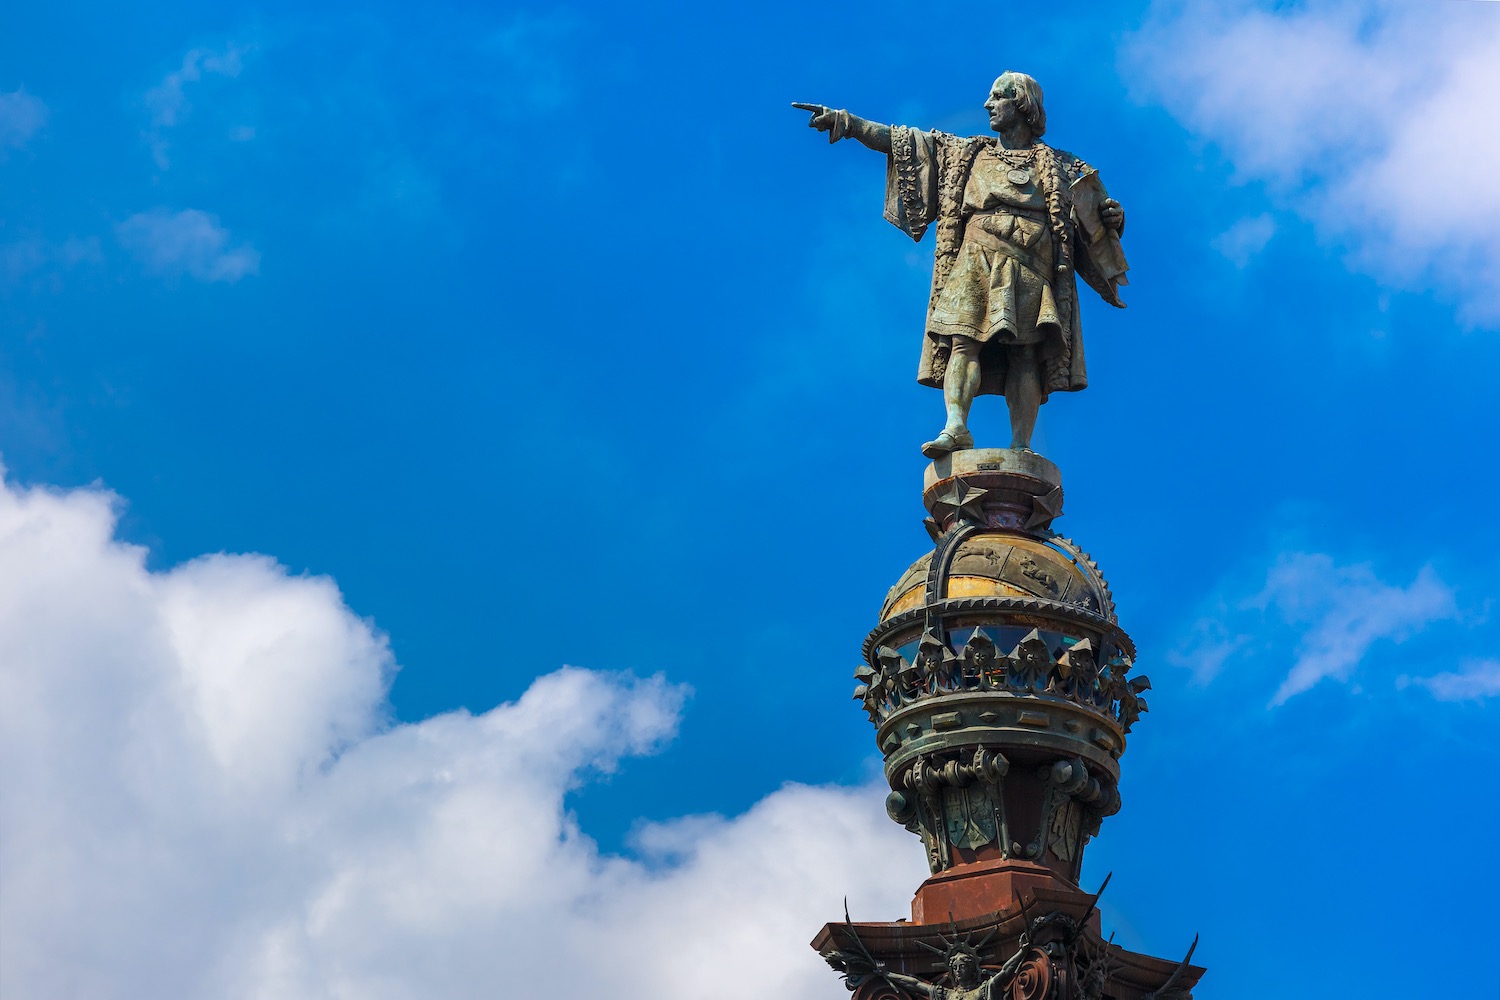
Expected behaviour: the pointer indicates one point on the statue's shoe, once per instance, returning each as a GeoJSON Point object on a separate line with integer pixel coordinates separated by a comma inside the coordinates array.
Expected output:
{"type": "Point", "coordinates": [947, 442]}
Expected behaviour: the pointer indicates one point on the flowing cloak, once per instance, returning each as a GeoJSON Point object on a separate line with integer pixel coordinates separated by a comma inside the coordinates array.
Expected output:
{"type": "Point", "coordinates": [999, 255]}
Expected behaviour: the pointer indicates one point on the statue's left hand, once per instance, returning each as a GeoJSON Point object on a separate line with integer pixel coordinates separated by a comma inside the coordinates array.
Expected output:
{"type": "Point", "coordinates": [1113, 215]}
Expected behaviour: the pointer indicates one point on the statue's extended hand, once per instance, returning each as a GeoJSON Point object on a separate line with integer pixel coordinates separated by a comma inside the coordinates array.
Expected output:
{"type": "Point", "coordinates": [1113, 215]}
{"type": "Point", "coordinates": [824, 118]}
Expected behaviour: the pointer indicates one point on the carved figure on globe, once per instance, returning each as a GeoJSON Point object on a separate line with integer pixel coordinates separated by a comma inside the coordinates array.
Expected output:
{"type": "Point", "coordinates": [1016, 220]}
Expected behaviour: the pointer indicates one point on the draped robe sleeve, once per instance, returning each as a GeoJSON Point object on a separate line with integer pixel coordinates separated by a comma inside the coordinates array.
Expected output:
{"type": "Point", "coordinates": [924, 181]}
{"type": "Point", "coordinates": [911, 181]}
{"type": "Point", "coordinates": [1102, 262]}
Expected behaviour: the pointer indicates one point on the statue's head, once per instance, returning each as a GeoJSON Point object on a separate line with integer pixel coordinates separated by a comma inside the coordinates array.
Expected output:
{"type": "Point", "coordinates": [963, 968]}
{"type": "Point", "coordinates": [1016, 97]}
{"type": "Point", "coordinates": [1095, 979]}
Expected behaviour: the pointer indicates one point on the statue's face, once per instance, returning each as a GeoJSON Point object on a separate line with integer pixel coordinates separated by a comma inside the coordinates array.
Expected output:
{"type": "Point", "coordinates": [962, 968]}
{"type": "Point", "coordinates": [1002, 105]}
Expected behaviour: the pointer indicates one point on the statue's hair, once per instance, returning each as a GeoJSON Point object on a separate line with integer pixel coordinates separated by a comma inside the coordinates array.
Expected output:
{"type": "Point", "coordinates": [958, 948]}
{"type": "Point", "coordinates": [1028, 96]}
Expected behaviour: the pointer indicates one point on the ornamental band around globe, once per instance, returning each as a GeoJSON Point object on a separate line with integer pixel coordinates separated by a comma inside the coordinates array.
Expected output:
{"type": "Point", "coordinates": [998, 678]}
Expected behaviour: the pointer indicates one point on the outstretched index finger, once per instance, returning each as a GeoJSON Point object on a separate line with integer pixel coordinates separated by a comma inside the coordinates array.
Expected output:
{"type": "Point", "coordinates": [814, 108]}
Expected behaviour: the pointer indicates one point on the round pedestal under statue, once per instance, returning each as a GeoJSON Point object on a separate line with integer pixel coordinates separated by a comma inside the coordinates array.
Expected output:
{"type": "Point", "coordinates": [998, 678]}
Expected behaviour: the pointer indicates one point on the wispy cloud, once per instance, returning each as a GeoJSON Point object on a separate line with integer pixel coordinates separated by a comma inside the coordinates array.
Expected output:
{"type": "Point", "coordinates": [1345, 610]}
{"type": "Point", "coordinates": [21, 117]}
{"type": "Point", "coordinates": [1374, 120]}
{"type": "Point", "coordinates": [168, 102]}
{"type": "Point", "coordinates": [1475, 682]}
{"type": "Point", "coordinates": [24, 257]}
{"type": "Point", "coordinates": [1321, 615]}
{"type": "Point", "coordinates": [1242, 241]}
{"type": "Point", "coordinates": [186, 243]}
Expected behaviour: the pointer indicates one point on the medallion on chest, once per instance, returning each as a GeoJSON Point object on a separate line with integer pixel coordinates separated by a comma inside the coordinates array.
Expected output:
{"type": "Point", "coordinates": [1017, 166]}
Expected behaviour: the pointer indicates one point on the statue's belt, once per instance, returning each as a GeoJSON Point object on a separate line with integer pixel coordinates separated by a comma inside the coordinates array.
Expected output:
{"type": "Point", "coordinates": [975, 231]}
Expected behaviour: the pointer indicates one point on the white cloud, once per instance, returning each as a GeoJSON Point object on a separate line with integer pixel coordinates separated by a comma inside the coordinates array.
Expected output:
{"type": "Point", "coordinates": [1475, 682]}
{"type": "Point", "coordinates": [1327, 615]}
{"type": "Point", "coordinates": [21, 117]}
{"type": "Point", "coordinates": [168, 102]}
{"type": "Point", "coordinates": [203, 798]}
{"type": "Point", "coordinates": [1345, 610]}
{"type": "Point", "coordinates": [1376, 121]}
{"type": "Point", "coordinates": [189, 242]}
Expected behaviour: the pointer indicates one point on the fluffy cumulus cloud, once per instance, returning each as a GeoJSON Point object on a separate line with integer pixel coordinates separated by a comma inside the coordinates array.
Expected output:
{"type": "Point", "coordinates": [1375, 120]}
{"type": "Point", "coordinates": [187, 243]}
{"type": "Point", "coordinates": [203, 797]}
{"type": "Point", "coordinates": [1313, 617]}
{"type": "Point", "coordinates": [21, 117]}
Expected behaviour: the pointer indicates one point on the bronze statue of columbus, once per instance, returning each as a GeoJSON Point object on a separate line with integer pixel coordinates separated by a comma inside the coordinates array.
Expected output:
{"type": "Point", "coordinates": [1016, 219]}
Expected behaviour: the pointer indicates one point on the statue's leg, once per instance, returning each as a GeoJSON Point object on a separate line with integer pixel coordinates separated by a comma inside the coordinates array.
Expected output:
{"type": "Point", "coordinates": [960, 385]}
{"type": "Point", "coordinates": [1023, 394]}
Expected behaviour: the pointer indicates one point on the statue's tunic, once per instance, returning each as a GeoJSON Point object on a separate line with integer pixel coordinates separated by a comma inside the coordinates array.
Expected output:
{"type": "Point", "coordinates": [1010, 228]}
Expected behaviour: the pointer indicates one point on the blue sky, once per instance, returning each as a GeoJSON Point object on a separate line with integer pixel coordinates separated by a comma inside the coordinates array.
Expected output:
{"type": "Point", "coordinates": [550, 335]}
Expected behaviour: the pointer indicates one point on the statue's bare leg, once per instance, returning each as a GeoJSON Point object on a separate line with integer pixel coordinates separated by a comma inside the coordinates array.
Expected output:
{"type": "Point", "coordinates": [1023, 394]}
{"type": "Point", "coordinates": [960, 385]}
